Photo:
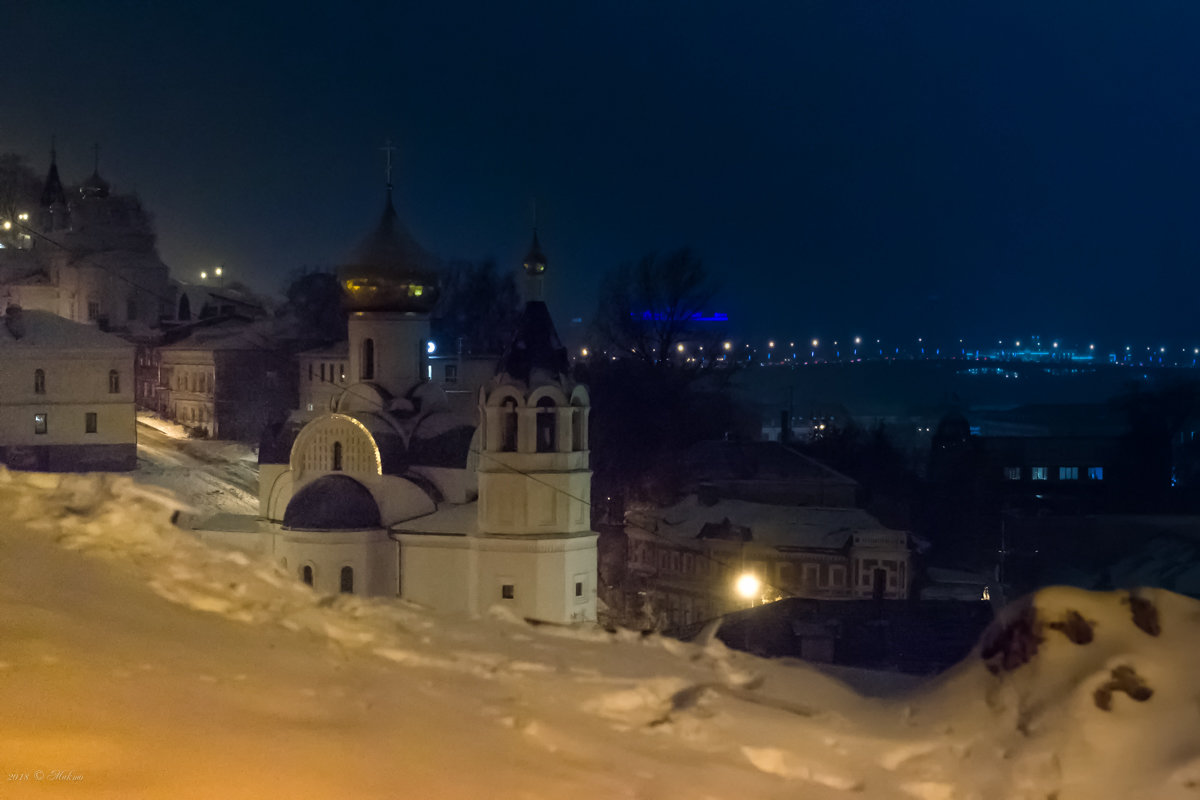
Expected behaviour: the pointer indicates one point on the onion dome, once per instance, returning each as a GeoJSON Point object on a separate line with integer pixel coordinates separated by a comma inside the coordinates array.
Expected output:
{"type": "Point", "coordinates": [535, 259]}
{"type": "Point", "coordinates": [389, 271]}
{"type": "Point", "coordinates": [95, 186]}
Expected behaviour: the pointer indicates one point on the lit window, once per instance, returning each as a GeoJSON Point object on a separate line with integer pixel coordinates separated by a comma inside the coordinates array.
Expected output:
{"type": "Point", "coordinates": [114, 381]}
{"type": "Point", "coordinates": [347, 581]}
{"type": "Point", "coordinates": [451, 373]}
{"type": "Point", "coordinates": [1095, 473]}
{"type": "Point", "coordinates": [1039, 473]}
{"type": "Point", "coordinates": [1012, 473]}
{"type": "Point", "coordinates": [1068, 473]}
{"type": "Point", "coordinates": [508, 591]}
{"type": "Point", "coordinates": [39, 423]}
{"type": "Point", "coordinates": [89, 422]}
{"type": "Point", "coordinates": [39, 381]}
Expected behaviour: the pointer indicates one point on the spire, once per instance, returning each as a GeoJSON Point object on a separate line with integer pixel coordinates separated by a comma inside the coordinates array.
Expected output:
{"type": "Point", "coordinates": [534, 264]}
{"type": "Point", "coordinates": [52, 191]}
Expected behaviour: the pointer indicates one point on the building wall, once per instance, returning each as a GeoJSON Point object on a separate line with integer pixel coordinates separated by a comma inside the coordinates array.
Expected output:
{"type": "Point", "coordinates": [76, 384]}
{"type": "Point", "coordinates": [370, 554]}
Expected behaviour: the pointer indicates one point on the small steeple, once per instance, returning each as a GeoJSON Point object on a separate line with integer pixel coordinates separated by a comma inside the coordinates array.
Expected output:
{"type": "Point", "coordinates": [52, 191]}
{"type": "Point", "coordinates": [535, 265]}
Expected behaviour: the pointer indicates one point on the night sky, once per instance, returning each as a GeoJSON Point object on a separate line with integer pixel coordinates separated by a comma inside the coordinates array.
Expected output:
{"type": "Point", "coordinates": [844, 167]}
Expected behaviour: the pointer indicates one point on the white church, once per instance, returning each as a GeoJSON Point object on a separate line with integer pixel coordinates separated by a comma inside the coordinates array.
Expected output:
{"type": "Point", "coordinates": [385, 490]}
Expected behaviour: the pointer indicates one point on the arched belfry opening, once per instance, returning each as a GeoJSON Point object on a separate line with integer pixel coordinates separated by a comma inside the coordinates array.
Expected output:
{"type": "Point", "coordinates": [508, 426]}
{"type": "Point", "coordinates": [547, 425]}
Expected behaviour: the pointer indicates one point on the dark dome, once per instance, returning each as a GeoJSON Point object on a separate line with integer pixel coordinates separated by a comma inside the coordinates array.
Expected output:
{"type": "Point", "coordinates": [389, 271]}
{"type": "Point", "coordinates": [535, 259]}
{"type": "Point", "coordinates": [95, 186]}
{"type": "Point", "coordinates": [332, 503]}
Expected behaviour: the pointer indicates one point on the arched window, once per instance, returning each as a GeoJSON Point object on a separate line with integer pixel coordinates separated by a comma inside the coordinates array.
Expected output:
{"type": "Point", "coordinates": [368, 360]}
{"type": "Point", "coordinates": [114, 381]}
{"type": "Point", "coordinates": [347, 582]}
{"type": "Point", "coordinates": [39, 381]}
{"type": "Point", "coordinates": [306, 574]}
{"type": "Point", "coordinates": [508, 426]}
{"type": "Point", "coordinates": [547, 423]}
{"type": "Point", "coordinates": [337, 456]}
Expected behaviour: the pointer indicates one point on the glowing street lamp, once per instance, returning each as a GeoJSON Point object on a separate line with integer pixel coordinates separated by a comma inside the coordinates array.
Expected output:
{"type": "Point", "coordinates": [203, 275]}
{"type": "Point", "coordinates": [728, 345]}
{"type": "Point", "coordinates": [748, 586]}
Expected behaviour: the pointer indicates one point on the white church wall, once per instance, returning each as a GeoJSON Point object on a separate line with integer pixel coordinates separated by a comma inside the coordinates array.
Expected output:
{"type": "Point", "coordinates": [371, 554]}
{"type": "Point", "coordinates": [542, 574]}
{"type": "Point", "coordinates": [456, 485]}
{"type": "Point", "coordinates": [435, 572]}
{"type": "Point", "coordinates": [274, 490]}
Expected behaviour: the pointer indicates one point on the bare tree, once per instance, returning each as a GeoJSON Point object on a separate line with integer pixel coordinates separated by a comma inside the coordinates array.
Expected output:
{"type": "Point", "coordinates": [649, 307]}
{"type": "Point", "coordinates": [18, 187]}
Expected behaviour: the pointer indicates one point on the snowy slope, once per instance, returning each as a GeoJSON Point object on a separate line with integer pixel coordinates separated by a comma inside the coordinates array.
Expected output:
{"type": "Point", "coordinates": [134, 662]}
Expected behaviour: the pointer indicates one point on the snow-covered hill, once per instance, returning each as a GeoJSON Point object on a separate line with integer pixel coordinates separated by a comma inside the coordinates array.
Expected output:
{"type": "Point", "coordinates": [135, 662]}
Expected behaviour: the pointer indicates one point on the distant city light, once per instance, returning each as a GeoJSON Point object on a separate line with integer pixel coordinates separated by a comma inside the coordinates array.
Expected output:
{"type": "Point", "coordinates": [583, 352]}
{"type": "Point", "coordinates": [203, 276]}
{"type": "Point", "coordinates": [858, 340]}
{"type": "Point", "coordinates": [7, 225]}
{"type": "Point", "coordinates": [1091, 347]}
{"type": "Point", "coordinates": [217, 272]}
{"type": "Point", "coordinates": [771, 343]}
{"type": "Point", "coordinates": [815, 342]}
{"type": "Point", "coordinates": [1056, 344]}
{"type": "Point", "coordinates": [679, 347]}
{"type": "Point", "coordinates": [729, 345]}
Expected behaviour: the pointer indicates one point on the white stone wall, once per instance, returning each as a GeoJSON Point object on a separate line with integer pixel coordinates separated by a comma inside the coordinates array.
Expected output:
{"type": "Point", "coordinates": [371, 554]}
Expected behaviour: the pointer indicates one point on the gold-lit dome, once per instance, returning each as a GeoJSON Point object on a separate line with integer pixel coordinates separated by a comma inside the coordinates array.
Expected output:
{"type": "Point", "coordinates": [535, 259]}
{"type": "Point", "coordinates": [389, 271]}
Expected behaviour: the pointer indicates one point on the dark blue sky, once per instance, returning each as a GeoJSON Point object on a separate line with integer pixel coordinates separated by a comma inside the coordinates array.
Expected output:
{"type": "Point", "coordinates": [844, 167]}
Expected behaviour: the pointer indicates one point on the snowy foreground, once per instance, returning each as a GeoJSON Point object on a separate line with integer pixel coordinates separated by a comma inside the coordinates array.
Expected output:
{"type": "Point", "coordinates": [136, 663]}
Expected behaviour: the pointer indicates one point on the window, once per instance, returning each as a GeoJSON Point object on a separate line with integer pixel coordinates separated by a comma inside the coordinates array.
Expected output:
{"type": "Point", "coordinates": [89, 422]}
{"type": "Point", "coordinates": [1068, 473]}
{"type": "Point", "coordinates": [1012, 473]}
{"type": "Point", "coordinates": [367, 373]}
{"type": "Point", "coordinates": [508, 591]}
{"type": "Point", "coordinates": [1095, 473]}
{"type": "Point", "coordinates": [452, 373]}
{"type": "Point", "coordinates": [837, 575]}
{"type": "Point", "coordinates": [39, 381]}
{"type": "Point", "coordinates": [39, 423]}
{"type": "Point", "coordinates": [347, 581]}
{"type": "Point", "coordinates": [114, 381]}
{"type": "Point", "coordinates": [322, 372]}
{"type": "Point", "coordinates": [812, 575]}
{"type": "Point", "coordinates": [1039, 473]}
{"type": "Point", "coordinates": [337, 456]}
{"type": "Point", "coordinates": [310, 372]}
{"type": "Point", "coordinates": [341, 373]}
{"type": "Point", "coordinates": [306, 574]}
{"type": "Point", "coordinates": [547, 417]}
{"type": "Point", "coordinates": [93, 310]}
{"type": "Point", "coordinates": [579, 588]}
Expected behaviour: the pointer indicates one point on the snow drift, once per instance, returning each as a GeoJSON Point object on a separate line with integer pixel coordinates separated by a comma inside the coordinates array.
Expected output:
{"type": "Point", "coordinates": [135, 662]}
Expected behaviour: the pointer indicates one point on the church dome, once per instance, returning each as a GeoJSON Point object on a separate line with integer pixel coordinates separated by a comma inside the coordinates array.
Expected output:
{"type": "Point", "coordinates": [332, 503]}
{"type": "Point", "coordinates": [389, 271]}
{"type": "Point", "coordinates": [95, 186]}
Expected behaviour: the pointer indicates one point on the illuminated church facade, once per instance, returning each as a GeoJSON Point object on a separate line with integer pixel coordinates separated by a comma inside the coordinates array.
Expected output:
{"type": "Point", "coordinates": [387, 490]}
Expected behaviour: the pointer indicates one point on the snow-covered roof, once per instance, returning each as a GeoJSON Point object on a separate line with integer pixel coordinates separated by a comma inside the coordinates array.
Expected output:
{"type": "Point", "coordinates": [771, 525]}
{"type": "Point", "coordinates": [42, 329]}
{"type": "Point", "coordinates": [231, 335]}
{"type": "Point", "coordinates": [449, 519]}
